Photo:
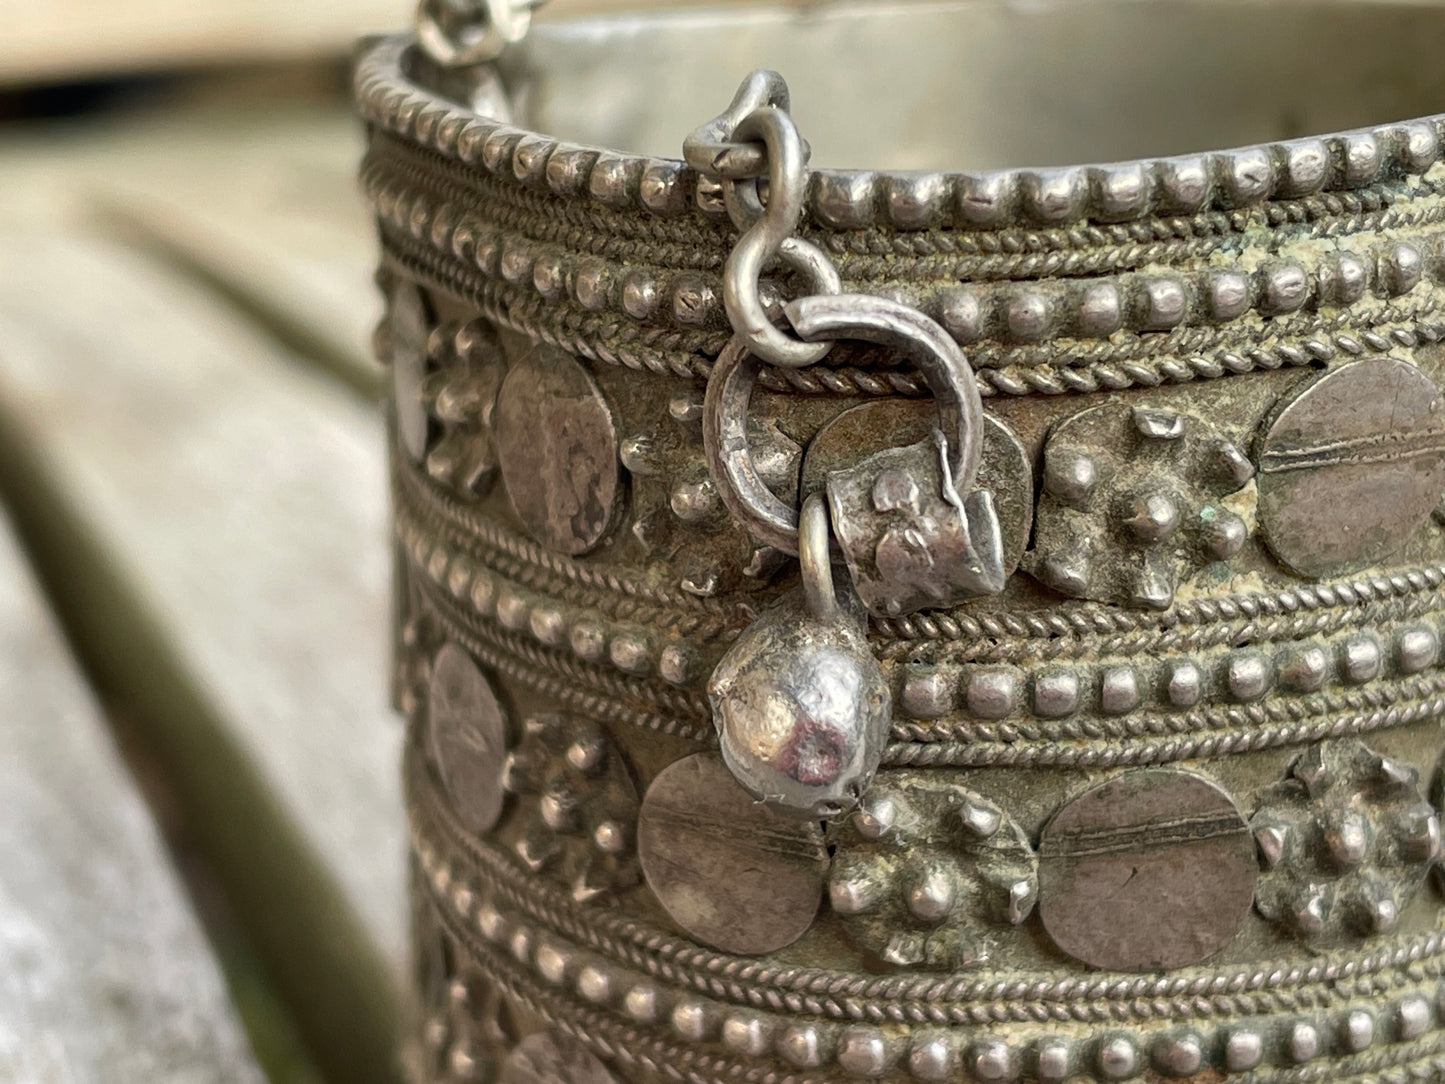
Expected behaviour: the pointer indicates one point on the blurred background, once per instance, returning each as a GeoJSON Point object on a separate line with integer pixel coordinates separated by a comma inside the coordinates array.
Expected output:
{"type": "Point", "coordinates": [201, 834]}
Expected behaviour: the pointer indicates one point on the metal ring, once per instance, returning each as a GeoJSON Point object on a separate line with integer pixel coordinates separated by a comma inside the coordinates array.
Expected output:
{"type": "Point", "coordinates": [815, 560]}
{"type": "Point", "coordinates": [766, 239]}
{"type": "Point", "coordinates": [842, 316]}
{"type": "Point", "coordinates": [479, 41]}
{"type": "Point", "coordinates": [725, 444]}
{"type": "Point", "coordinates": [714, 149]}
{"type": "Point", "coordinates": [920, 339]}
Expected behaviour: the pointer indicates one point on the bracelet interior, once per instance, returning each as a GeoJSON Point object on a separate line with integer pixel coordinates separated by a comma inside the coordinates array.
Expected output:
{"type": "Point", "coordinates": [985, 84]}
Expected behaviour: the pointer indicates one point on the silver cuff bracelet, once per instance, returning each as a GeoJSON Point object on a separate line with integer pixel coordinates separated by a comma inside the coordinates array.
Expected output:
{"type": "Point", "coordinates": [885, 624]}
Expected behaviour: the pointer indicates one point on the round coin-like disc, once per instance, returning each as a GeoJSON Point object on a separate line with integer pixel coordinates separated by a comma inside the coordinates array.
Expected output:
{"type": "Point", "coordinates": [557, 444]}
{"type": "Point", "coordinates": [729, 870]}
{"type": "Point", "coordinates": [1150, 871]}
{"type": "Point", "coordinates": [541, 1059]}
{"type": "Point", "coordinates": [1351, 466]}
{"type": "Point", "coordinates": [861, 431]}
{"type": "Point", "coordinates": [410, 329]}
{"type": "Point", "coordinates": [467, 731]}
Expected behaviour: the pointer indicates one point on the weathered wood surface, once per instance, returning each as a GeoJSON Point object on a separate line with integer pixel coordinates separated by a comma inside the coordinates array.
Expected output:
{"type": "Point", "coordinates": [263, 207]}
{"type": "Point", "coordinates": [66, 38]}
{"type": "Point", "coordinates": [105, 975]}
{"type": "Point", "coordinates": [210, 513]}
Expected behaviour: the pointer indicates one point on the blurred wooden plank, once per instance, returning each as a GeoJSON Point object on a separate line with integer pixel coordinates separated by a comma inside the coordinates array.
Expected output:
{"type": "Point", "coordinates": [66, 39]}
{"type": "Point", "coordinates": [211, 515]}
{"type": "Point", "coordinates": [105, 974]}
{"type": "Point", "coordinates": [261, 205]}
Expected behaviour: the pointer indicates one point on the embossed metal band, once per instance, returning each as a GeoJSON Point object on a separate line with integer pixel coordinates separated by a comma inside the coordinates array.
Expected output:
{"type": "Point", "coordinates": [1165, 808]}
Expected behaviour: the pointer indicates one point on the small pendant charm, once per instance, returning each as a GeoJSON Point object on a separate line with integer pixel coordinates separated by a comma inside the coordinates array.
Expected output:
{"type": "Point", "coordinates": [912, 542]}
{"type": "Point", "coordinates": [800, 703]}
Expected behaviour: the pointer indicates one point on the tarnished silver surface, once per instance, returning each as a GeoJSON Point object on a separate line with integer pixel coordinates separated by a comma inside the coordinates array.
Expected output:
{"type": "Point", "coordinates": [1150, 871]}
{"type": "Point", "coordinates": [733, 873]}
{"type": "Point", "coordinates": [467, 730]}
{"type": "Point", "coordinates": [1147, 800]}
{"type": "Point", "coordinates": [558, 446]}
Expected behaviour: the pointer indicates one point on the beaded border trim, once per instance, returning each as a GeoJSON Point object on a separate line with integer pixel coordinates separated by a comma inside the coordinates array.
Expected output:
{"type": "Point", "coordinates": [609, 964]}
{"type": "Point", "coordinates": [852, 199]}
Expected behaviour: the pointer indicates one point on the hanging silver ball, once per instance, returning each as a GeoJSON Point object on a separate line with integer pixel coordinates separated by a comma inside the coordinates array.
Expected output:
{"type": "Point", "coordinates": [801, 705]}
{"type": "Point", "coordinates": [802, 711]}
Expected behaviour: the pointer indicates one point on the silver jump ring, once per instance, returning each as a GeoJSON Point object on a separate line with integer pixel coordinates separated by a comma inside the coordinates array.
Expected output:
{"type": "Point", "coordinates": [815, 559]}
{"type": "Point", "coordinates": [765, 240]}
{"type": "Point", "coordinates": [863, 317]}
{"type": "Point", "coordinates": [714, 148]}
{"type": "Point", "coordinates": [474, 41]}
{"type": "Point", "coordinates": [920, 339]}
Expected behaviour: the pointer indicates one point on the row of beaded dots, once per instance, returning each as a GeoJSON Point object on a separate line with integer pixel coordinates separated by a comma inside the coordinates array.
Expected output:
{"type": "Point", "coordinates": [1243, 675]}
{"type": "Point", "coordinates": [931, 1054]}
{"type": "Point", "coordinates": [856, 200]}
{"type": "Point", "coordinates": [1009, 312]}
{"type": "Point", "coordinates": [634, 650]}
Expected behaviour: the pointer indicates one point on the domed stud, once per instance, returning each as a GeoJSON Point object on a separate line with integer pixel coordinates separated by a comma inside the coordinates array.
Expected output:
{"type": "Point", "coordinates": [877, 817]}
{"type": "Point", "coordinates": [1417, 649]}
{"type": "Point", "coordinates": [1178, 1055]}
{"type": "Point", "coordinates": [642, 1003]}
{"type": "Point", "coordinates": [1185, 684]}
{"type": "Point", "coordinates": [1070, 475]}
{"type": "Point", "coordinates": [801, 1045]}
{"type": "Point", "coordinates": [1022, 895]}
{"type": "Point", "coordinates": [1066, 572]}
{"type": "Point", "coordinates": [993, 1060]}
{"type": "Point", "coordinates": [747, 1034]}
{"type": "Point", "coordinates": [559, 810]}
{"type": "Point", "coordinates": [932, 895]}
{"type": "Point", "coordinates": [1357, 1031]}
{"type": "Point", "coordinates": [851, 891]}
{"type": "Point", "coordinates": [1360, 660]}
{"type": "Point", "coordinates": [1117, 1058]}
{"type": "Point", "coordinates": [864, 1052]}
{"type": "Point", "coordinates": [1243, 1050]}
{"type": "Point", "coordinates": [980, 821]}
{"type": "Point", "coordinates": [1312, 910]}
{"type": "Point", "coordinates": [1151, 517]}
{"type": "Point", "coordinates": [932, 1057]}
{"type": "Point", "coordinates": [1158, 424]}
{"type": "Point", "coordinates": [1222, 533]}
{"type": "Point", "coordinates": [1304, 669]}
{"type": "Point", "coordinates": [1302, 1042]}
{"type": "Point", "coordinates": [1053, 1060]}
{"type": "Point", "coordinates": [1413, 1018]}
{"type": "Point", "coordinates": [692, 1020]}
{"type": "Point", "coordinates": [1376, 909]}
{"type": "Point", "coordinates": [1348, 839]}
{"type": "Point", "coordinates": [587, 753]}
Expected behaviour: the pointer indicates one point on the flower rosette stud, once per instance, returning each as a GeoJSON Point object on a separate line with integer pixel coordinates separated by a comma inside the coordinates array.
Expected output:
{"type": "Point", "coordinates": [929, 874]}
{"type": "Point", "coordinates": [462, 396]}
{"type": "Point", "coordinates": [581, 805]}
{"type": "Point", "coordinates": [1133, 503]}
{"type": "Point", "coordinates": [1345, 842]}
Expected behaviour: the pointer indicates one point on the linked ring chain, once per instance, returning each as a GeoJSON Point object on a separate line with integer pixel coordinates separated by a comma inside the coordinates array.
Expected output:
{"type": "Point", "coordinates": [754, 137]}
